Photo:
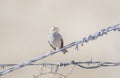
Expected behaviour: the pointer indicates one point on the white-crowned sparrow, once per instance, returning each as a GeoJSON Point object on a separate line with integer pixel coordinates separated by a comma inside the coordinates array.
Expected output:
{"type": "Point", "coordinates": [55, 39]}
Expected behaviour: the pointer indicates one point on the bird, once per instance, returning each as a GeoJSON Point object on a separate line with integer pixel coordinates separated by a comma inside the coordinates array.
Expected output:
{"type": "Point", "coordinates": [55, 40]}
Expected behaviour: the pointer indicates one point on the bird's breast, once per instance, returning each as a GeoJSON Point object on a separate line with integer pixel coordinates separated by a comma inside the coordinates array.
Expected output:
{"type": "Point", "coordinates": [55, 40]}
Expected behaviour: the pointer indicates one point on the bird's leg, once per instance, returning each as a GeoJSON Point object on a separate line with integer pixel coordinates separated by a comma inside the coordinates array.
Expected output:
{"type": "Point", "coordinates": [52, 50]}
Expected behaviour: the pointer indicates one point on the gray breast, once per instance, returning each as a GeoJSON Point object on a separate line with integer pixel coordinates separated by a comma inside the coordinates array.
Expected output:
{"type": "Point", "coordinates": [56, 40]}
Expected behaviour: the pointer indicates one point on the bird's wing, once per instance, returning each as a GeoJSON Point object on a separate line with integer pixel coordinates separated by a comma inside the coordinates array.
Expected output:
{"type": "Point", "coordinates": [62, 42]}
{"type": "Point", "coordinates": [51, 45]}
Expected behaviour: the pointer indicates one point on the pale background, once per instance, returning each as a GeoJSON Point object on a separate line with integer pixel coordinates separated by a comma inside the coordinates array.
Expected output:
{"type": "Point", "coordinates": [24, 26]}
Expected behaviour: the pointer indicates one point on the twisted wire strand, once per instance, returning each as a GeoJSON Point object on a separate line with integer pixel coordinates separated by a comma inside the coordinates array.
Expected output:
{"type": "Point", "coordinates": [90, 64]}
{"type": "Point", "coordinates": [81, 41]}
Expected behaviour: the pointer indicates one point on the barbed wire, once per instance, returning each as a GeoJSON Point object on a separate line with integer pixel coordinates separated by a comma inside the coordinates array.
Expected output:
{"type": "Point", "coordinates": [86, 65]}
{"type": "Point", "coordinates": [76, 43]}
{"type": "Point", "coordinates": [96, 64]}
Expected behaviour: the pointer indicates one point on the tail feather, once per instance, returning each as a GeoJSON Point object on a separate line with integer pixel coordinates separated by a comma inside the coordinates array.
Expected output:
{"type": "Point", "coordinates": [64, 51]}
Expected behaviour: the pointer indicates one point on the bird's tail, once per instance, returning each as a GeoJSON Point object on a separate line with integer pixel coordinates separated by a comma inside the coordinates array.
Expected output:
{"type": "Point", "coordinates": [64, 51]}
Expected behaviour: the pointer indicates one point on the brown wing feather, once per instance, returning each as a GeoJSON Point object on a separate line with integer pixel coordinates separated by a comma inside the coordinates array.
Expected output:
{"type": "Point", "coordinates": [51, 46]}
{"type": "Point", "coordinates": [62, 43]}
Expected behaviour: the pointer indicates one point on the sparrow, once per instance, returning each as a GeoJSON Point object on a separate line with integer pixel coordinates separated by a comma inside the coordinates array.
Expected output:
{"type": "Point", "coordinates": [55, 39]}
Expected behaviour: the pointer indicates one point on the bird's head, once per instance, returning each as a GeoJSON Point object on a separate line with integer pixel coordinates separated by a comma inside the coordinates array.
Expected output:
{"type": "Point", "coordinates": [54, 29]}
